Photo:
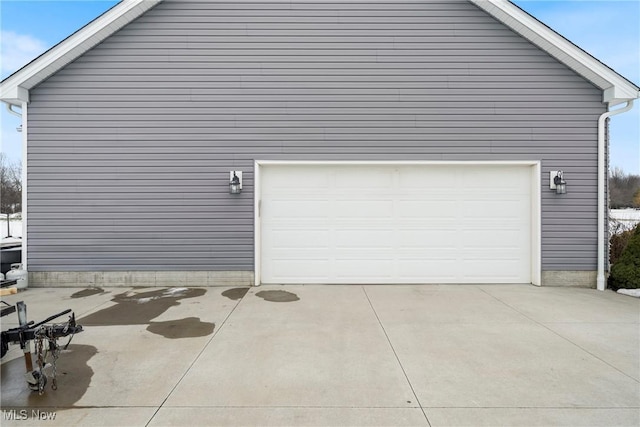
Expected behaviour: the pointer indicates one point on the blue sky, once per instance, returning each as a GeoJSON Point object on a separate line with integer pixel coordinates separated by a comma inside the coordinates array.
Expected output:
{"type": "Point", "coordinates": [609, 30]}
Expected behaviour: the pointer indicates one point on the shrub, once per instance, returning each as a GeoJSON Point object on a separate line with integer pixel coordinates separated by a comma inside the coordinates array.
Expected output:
{"type": "Point", "coordinates": [618, 243]}
{"type": "Point", "coordinates": [625, 273]}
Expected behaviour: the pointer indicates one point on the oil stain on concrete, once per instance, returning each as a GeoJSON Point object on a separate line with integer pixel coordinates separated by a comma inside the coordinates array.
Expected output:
{"type": "Point", "coordinates": [189, 327]}
{"type": "Point", "coordinates": [87, 292]}
{"type": "Point", "coordinates": [73, 377]}
{"type": "Point", "coordinates": [235, 293]}
{"type": "Point", "coordinates": [278, 296]}
{"type": "Point", "coordinates": [141, 308]}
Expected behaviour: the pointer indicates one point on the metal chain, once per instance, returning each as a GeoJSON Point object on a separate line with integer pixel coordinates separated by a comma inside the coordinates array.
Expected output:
{"type": "Point", "coordinates": [55, 353]}
{"type": "Point", "coordinates": [53, 349]}
{"type": "Point", "coordinates": [41, 359]}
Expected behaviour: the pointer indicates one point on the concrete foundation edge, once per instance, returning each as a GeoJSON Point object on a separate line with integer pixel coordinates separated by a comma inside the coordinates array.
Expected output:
{"type": "Point", "coordinates": [585, 279]}
{"type": "Point", "coordinates": [84, 279]}
{"type": "Point", "coordinates": [582, 279]}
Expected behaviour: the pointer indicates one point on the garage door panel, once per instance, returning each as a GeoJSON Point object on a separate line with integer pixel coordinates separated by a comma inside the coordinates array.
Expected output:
{"type": "Point", "coordinates": [469, 234]}
{"type": "Point", "coordinates": [437, 270]}
{"type": "Point", "coordinates": [363, 209]}
{"type": "Point", "coordinates": [364, 238]}
{"type": "Point", "coordinates": [488, 256]}
{"type": "Point", "coordinates": [431, 208]}
{"type": "Point", "coordinates": [428, 224]}
{"type": "Point", "coordinates": [427, 239]}
{"type": "Point", "coordinates": [487, 237]}
{"type": "Point", "coordinates": [297, 209]}
{"type": "Point", "coordinates": [396, 224]}
{"type": "Point", "coordinates": [513, 208]}
{"type": "Point", "coordinates": [427, 255]}
{"type": "Point", "coordinates": [285, 183]}
{"type": "Point", "coordinates": [490, 183]}
{"type": "Point", "coordinates": [367, 254]}
{"type": "Point", "coordinates": [358, 226]}
{"type": "Point", "coordinates": [365, 270]}
{"type": "Point", "coordinates": [507, 272]}
{"type": "Point", "coordinates": [365, 179]}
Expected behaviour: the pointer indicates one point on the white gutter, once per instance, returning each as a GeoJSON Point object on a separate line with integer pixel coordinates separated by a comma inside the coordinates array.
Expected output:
{"type": "Point", "coordinates": [603, 174]}
{"type": "Point", "coordinates": [10, 110]}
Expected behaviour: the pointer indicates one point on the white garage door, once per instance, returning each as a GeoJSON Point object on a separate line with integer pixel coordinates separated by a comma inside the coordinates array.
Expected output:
{"type": "Point", "coordinates": [395, 223]}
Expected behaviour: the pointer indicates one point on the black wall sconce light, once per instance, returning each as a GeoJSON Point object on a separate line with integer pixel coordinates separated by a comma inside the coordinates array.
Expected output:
{"type": "Point", "coordinates": [557, 182]}
{"type": "Point", "coordinates": [235, 182]}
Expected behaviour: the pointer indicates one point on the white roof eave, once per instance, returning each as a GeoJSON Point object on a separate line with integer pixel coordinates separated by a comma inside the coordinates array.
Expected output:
{"type": "Point", "coordinates": [15, 88]}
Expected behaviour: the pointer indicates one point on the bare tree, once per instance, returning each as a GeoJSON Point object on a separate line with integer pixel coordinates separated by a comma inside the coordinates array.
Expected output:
{"type": "Point", "coordinates": [622, 188]}
{"type": "Point", "coordinates": [10, 185]}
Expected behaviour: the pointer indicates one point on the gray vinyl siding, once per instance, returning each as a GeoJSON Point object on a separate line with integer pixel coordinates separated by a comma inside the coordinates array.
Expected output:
{"type": "Point", "coordinates": [130, 146]}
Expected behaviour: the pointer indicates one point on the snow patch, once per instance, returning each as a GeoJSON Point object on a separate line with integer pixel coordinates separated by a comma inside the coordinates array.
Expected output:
{"type": "Point", "coordinates": [628, 214]}
{"type": "Point", "coordinates": [146, 300]}
{"type": "Point", "coordinates": [623, 219]}
{"type": "Point", "coordinates": [174, 291]}
{"type": "Point", "coordinates": [630, 292]}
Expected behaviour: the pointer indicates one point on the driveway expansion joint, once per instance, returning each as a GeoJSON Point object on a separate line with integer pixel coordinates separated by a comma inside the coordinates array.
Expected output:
{"type": "Point", "coordinates": [415, 395]}
{"type": "Point", "coordinates": [215, 333]}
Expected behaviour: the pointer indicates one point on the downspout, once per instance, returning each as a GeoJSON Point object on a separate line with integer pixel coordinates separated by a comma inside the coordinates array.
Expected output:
{"type": "Point", "coordinates": [603, 174]}
{"type": "Point", "coordinates": [25, 139]}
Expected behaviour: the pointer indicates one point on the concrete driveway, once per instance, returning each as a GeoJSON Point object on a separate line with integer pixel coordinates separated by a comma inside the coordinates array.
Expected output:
{"type": "Point", "coordinates": [336, 355]}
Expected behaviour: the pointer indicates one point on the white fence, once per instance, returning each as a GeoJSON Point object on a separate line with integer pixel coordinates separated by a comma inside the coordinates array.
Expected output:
{"type": "Point", "coordinates": [623, 219]}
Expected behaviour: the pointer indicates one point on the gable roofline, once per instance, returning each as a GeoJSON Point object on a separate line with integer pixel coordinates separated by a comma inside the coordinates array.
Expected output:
{"type": "Point", "coordinates": [15, 88]}
{"type": "Point", "coordinates": [616, 89]}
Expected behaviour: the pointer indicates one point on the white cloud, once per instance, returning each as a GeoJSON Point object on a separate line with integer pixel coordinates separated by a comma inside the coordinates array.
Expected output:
{"type": "Point", "coordinates": [16, 50]}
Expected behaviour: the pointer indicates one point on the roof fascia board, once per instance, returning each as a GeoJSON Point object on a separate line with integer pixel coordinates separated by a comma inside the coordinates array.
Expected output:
{"type": "Point", "coordinates": [616, 89]}
{"type": "Point", "coordinates": [12, 90]}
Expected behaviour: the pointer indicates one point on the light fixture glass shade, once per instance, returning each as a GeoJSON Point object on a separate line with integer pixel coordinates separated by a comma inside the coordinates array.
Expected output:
{"type": "Point", "coordinates": [560, 183]}
{"type": "Point", "coordinates": [234, 185]}
{"type": "Point", "coordinates": [234, 188]}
